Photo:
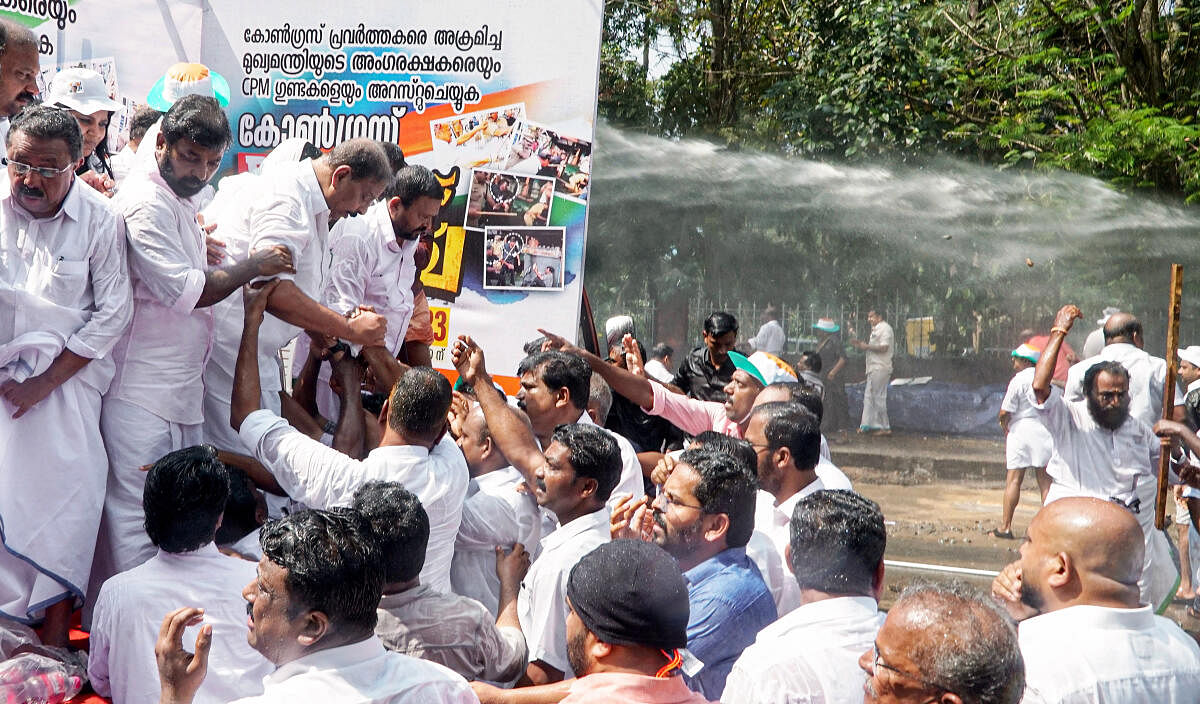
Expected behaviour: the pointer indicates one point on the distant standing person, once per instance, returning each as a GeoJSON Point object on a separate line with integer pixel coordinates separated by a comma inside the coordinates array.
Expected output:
{"type": "Point", "coordinates": [880, 348]}
{"type": "Point", "coordinates": [770, 338]}
{"type": "Point", "coordinates": [1027, 443]}
{"type": "Point", "coordinates": [707, 369]}
{"type": "Point", "coordinates": [659, 366]}
{"type": "Point", "coordinates": [833, 361]}
{"type": "Point", "coordinates": [1095, 339]}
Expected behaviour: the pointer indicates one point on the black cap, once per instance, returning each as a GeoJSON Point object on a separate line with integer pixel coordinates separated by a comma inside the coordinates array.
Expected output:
{"type": "Point", "coordinates": [629, 592]}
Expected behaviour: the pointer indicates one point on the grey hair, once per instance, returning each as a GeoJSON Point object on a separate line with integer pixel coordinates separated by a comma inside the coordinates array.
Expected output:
{"type": "Point", "coordinates": [967, 643]}
{"type": "Point", "coordinates": [600, 397]}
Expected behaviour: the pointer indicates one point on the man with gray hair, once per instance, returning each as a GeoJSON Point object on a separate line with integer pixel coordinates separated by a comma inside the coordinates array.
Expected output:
{"type": "Point", "coordinates": [18, 73]}
{"type": "Point", "coordinates": [947, 644]}
{"type": "Point", "coordinates": [600, 400]}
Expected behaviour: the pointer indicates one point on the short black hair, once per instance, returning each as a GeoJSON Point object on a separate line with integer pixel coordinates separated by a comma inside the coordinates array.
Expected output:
{"type": "Point", "coordinates": [812, 360]}
{"type": "Point", "coordinates": [366, 159]}
{"type": "Point", "coordinates": [198, 118]}
{"type": "Point", "coordinates": [559, 369]}
{"type": "Point", "coordinates": [837, 541]}
{"type": "Point", "coordinates": [412, 182]}
{"type": "Point", "coordinates": [401, 525]}
{"type": "Point", "coordinates": [395, 155]}
{"type": "Point", "coordinates": [1112, 367]}
{"type": "Point", "coordinates": [143, 119]}
{"type": "Point", "coordinates": [419, 402]}
{"type": "Point", "coordinates": [184, 497]}
{"type": "Point", "coordinates": [661, 351]}
{"type": "Point", "coordinates": [725, 487]}
{"type": "Point", "coordinates": [791, 425]}
{"type": "Point", "coordinates": [802, 393]}
{"type": "Point", "coordinates": [736, 448]}
{"type": "Point", "coordinates": [240, 517]}
{"type": "Point", "coordinates": [45, 122]}
{"type": "Point", "coordinates": [720, 323]}
{"type": "Point", "coordinates": [594, 455]}
{"type": "Point", "coordinates": [333, 564]}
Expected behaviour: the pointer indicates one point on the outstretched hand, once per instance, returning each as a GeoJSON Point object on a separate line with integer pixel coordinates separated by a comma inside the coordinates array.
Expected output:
{"type": "Point", "coordinates": [255, 299]}
{"type": "Point", "coordinates": [468, 360]}
{"type": "Point", "coordinates": [560, 343]}
{"type": "Point", "coordinates": [633, 356]}
{"type": "Point", "coordinates": [181, 673]}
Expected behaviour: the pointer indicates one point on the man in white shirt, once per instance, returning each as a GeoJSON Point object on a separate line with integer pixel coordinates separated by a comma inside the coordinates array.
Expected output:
{"type": "Point", "coordinates": [787, 439]}
{"type": "Point", "coordinates": [66, 302]}
{"type": "Point", "coordinates": [495, 514]}
{"type": "Point", "coordinates": [415, 448]}
{"type": "Point", "coordinates": [19, 67]}
{"type": "Point", "coordinates": [944, 643]}
{"type": "Point", "coordinates": [770, 338]}
{"type": "Point", "coordinates": [1087, 636]}
{"type": "Point", "coordinates": [829, 474]}
{"type": "Point", "coordinates": [122, 162]}
{"type": "Point", "coordinates": [185, 495]}
{"type": "Point", "coordinates": [573, 478]}
{"type": "Point", "coordinates": [658, 366]}
{"type": "Point", "coordinates": [1027, 443]}
{"type": "Point", "coordinates": [811, 654]}
{"type": "Point", "coordinates": [1147, 374]}
{"type": "Point", "coordinates": [1104, 451]}
{"type": "Point", "coordinates": [168, 340]}
{"type": "Point", "coordinates": [880, 349]}
{"type": "Point", "coordinates": [1094, 342]}
{"type": "Point", "coordinates": [312, 613]}
{"type": "Point", "coordinates": [441, 627]}
{"type": "Point", "coordinates": [293, 205]}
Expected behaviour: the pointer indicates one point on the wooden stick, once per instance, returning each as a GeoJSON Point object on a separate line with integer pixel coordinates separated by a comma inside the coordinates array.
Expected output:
{"type": "Point", "coordinates": [1168, 409]}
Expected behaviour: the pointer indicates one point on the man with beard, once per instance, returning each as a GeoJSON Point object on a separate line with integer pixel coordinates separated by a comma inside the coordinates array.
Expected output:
{"type": "Point", "coordinates": [704, 517]}
{"type": "Point", "coordinates": [1102, 451]}
{"type": "Point", "coordinates": [18, 73]}
{"type": "Point", "coordinates": [572, 478]}
{"type": "Point", "coordinates": [1087, 635]}
{"type": "Point", "coordinates": [155, 403]}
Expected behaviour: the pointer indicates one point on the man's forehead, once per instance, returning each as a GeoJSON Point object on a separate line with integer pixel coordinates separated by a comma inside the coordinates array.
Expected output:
{"type": "Point", "coordinates": [1110, 381]}
{"type": "Point", "coordinates": [682, 480]}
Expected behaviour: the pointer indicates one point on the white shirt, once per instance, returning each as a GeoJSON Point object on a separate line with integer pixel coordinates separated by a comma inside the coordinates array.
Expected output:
{"type": "Point", "coordinates": [1084, 654]}
{"type": "Point", "coordinates": [774, 523]}
{"type": "Point", "coordinates": [494, 513]}
{"type": "Point", "coordinates": [630, 483]}
{"type": "Point", "coordinates": [362, 673]}
{"type": "Point", "coordinates": [371, 268]}
{"type": "Point", "coordinates": [809, 656]}
{"type": "Point", "coordinates": [72, 262]}
{"type": "Point", "coordinates": [658, 371]}
{"type": "Point", "coordinates": [122, 163]}
{"type": "Point", "coordinates": [321, 477]}
{"type": "Point", "coordinates": [1147, 377]}
{"type": "Point", "coordinates": [1017, 398]}
{"type": "Point", "coordinates": [129, 612]}
{"type": "Point", "coordinates": [1093, 343]}
{"type": "Point", "coordinates": [1090, 460]}
{"type": "Point", "coordinates": [770, 338]}
{"type": "Point", "coordinates": [168, 341]}
{"type": "Point", "coordinates": [881, 334]}
{"type": "Point", "coordinates": [542, 601]}
{"type": "Point", "coordinates": [831, 477]}
{"type": "Point", "coordinates": [451, 630]}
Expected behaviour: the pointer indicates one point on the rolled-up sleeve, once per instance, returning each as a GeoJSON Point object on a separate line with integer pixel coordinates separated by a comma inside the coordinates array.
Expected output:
{"type": "Point", "coordinates": [158, 258]}
{"type": "Point", "coordinates": [347, 277]}
{"type": "Point", "coordinates": [111, 292]}
{"type": "Point", "coordinates": [311, 473]}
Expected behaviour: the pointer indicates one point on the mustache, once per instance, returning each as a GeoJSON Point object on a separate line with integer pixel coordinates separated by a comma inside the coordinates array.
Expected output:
{"type": "Point", "coordinates": [28, 97]}
{"type": "Point", "coordinates": [24, 190]}
{"type": "Point", "coordinates": [659, 520]}
{"type": "Point", "coordinates": [250, 609]}
{"type": "Point", "coordinates": [521, 403]}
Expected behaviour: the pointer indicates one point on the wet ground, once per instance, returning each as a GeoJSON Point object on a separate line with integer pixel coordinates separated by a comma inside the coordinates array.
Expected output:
{"type": "Point", "coordinates": [940, 496]}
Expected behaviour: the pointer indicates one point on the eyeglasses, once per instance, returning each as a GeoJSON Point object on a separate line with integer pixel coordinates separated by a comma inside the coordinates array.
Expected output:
{"type": "Point", "coordinates": [877, 662]}
{"type": "Point", "coordinates": [668, 502]}
{"type": "Point", "coordinates": [44, 171]}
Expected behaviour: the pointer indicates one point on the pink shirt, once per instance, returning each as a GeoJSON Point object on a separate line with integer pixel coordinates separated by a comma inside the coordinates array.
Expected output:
{"type": "Point", "coordinates": [690, 415]}
{"type": "Point", "coordinates": [608, 687]}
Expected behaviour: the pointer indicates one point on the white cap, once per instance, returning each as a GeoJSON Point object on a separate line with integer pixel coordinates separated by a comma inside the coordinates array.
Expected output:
{"type": "Point", "coordinates": [1191, 354]}
{"type": "Point", "coordinates": [1108, 313]}
{"type": "Point", "coordinates": [81, 90]}
{"type": "Point", "coordinates": [772, 368]}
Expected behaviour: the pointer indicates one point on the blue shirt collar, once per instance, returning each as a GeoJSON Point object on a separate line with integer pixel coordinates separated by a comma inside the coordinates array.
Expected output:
{"type": "Point", "coordinates": [716, 563]}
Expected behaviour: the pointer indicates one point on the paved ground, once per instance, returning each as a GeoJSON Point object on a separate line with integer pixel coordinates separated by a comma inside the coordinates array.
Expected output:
{"type": "Point", "coordinates": [940, 497]}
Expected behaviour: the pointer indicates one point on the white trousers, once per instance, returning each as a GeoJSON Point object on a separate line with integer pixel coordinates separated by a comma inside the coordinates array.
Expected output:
{"type": "Point", "coordinates": [53, 469]}
{"type": "Point", "coordinates": [875, 413]}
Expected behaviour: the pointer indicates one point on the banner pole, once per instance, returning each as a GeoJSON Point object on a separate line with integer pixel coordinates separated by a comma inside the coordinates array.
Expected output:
{"type": "Point", "coordinates": [1168, 409]}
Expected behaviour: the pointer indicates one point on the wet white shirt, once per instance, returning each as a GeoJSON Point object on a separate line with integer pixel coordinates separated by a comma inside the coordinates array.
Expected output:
{"type": "Point", "coordinates": [321, 477]}
{"type": "Point", "coordinates": [658, 371]}
{"type": "Point", "coordinates": [1090, 460]}
{"type": "Point", "coordinates": [770, 338]}
{"type": "Point", "coordinates": [168, 341]}
{"type": "Point", "coordinates": [774, 523]}
{"type": "Point", "coordinates": [1147, 378]}
{"type": "Point", "coordinates": [542, 602]}
{"type": "Point", "coordinates": [881, 334]}
{"type": "Point", "coordinates": [494, 513]}
{"type": "Point", "coordinates": [362, 673]}
{"type": "Point", "coordinates": [129, 613]}
{"type": "Point", "coordinates": [370, 267]}
{"type": "Point", "coordinates": [809, 656]}
{"type": "Point", "coordinates": [73, 260]}
{"type": "Point", "coordinates": [1084, 654]}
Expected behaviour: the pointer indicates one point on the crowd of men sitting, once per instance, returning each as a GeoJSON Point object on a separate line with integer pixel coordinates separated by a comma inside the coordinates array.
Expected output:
{"type": "Point", "coordinates": [230, 541]}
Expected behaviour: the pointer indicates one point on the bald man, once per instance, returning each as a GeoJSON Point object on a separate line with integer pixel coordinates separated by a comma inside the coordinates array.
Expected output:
{"type": "Point", "coordinates": [1086, 636]}
{"type": "Point", "coordinates": [1147, 374]}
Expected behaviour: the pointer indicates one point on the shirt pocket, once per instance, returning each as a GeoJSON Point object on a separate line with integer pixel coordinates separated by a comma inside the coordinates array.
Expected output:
{"type": "Point", "coordinates": [66, 282]}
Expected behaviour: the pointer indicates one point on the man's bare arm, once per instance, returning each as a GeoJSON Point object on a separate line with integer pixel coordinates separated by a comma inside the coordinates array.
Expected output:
{"type": "Point", "coordinates": [623, 382]}
{"type": "Point", "coordinates": [294, 306]}
{"type": "Point", "coordinates": [1066, 317]}
{"type": "Point", "coordinates": [247, 392]}
{"type": "Point", "coordinates": [348, 437]}
{"type": "Point", "coordinates": [222, 281]}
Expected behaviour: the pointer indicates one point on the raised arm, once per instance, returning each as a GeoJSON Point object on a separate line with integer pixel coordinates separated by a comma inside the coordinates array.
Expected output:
{"type": "Point", "coordinates": [1066, 317]}
{"type": "Point", "coordinates": [351, 426]}
{"type": "Point", "coordinates": [224, 280]}
{"type": "Point", "coordinates": [247, 391]}
{"type": "Point", "coordinates": [631, 386]}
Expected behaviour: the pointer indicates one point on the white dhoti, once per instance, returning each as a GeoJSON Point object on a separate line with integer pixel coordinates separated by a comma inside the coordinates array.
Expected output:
{"type": "Point", "coordinates": [1028, 444]}
{"type": "Point", "coordinates": [875, 415]}
{"type": "Point", "coordinates": [134, 437]}
{"type": "Point", "coordinates": [53, 470]}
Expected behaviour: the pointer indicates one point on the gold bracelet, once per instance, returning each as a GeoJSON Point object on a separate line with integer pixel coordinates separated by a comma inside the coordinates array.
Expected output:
{"type": "Point", "coordinates": [1062, 330]}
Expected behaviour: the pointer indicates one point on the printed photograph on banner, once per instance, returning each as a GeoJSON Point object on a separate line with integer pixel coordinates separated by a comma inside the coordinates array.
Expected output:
{"type": "Point", "coordinates": [502, 198]}
{"type": "Point", "coordinates": [477, 138]}
{"type": "Point", "coordinates": [525, 258]}
{"type": "Point", "coordinates": [539, 150]}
